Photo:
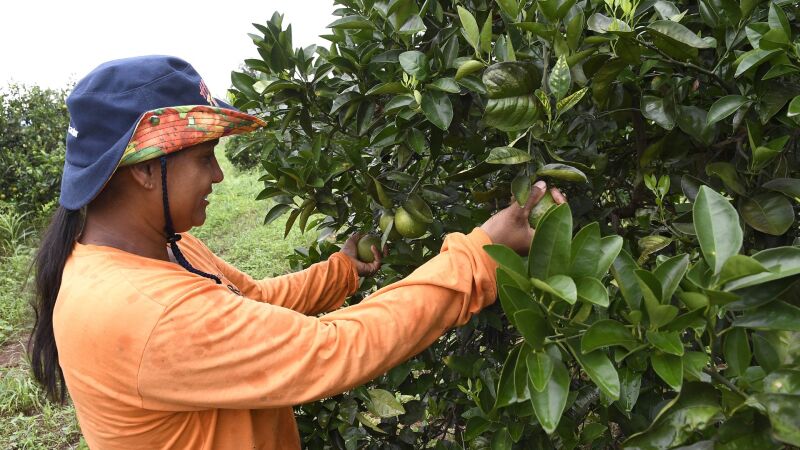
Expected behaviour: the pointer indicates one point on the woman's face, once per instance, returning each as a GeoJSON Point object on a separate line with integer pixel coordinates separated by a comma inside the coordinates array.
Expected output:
{"type": "Point", "coordinates": [191, 173]}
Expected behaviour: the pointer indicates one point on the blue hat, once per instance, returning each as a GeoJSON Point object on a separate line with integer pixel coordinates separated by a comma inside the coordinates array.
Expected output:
{"type": "Point", "coordinates": [107, 106]}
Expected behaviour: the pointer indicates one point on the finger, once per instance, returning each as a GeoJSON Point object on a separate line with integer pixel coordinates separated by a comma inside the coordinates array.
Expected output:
{"type": "Point", "coordinates": [354, 238]}
{"type": "Point", "coordinates": [375, 253]}
{"type": "Point", "coordinates": [539, 188]}
{"type": "Point", "coordinates": [558, 197]}
{"type": "Point", "coordinates": [385, 250]}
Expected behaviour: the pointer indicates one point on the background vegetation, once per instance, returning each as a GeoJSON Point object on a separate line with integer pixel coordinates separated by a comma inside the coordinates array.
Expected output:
{"type": "Point", "coordinates": [672, 128]}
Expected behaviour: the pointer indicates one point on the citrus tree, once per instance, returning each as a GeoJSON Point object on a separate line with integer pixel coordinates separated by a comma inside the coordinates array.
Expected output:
{"type": "Point", "coordinates": [32, 125]}
{"type": "Point", "coordinates": [657, 309]}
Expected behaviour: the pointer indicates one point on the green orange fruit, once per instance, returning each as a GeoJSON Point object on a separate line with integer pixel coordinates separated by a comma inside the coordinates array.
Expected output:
{"type": "Point", "coordinates": [384, 222]}
{"type": "Point", "coordinates": [365, 247]}
{"type": "Point", "coordinates": [541, 208]}
{"type": "Point", "coordinates": [407, 225]}
{"type": "Point", "coordinates": [418, 209]}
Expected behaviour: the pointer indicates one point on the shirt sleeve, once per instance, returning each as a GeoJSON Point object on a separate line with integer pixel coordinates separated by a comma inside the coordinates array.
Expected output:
{"type": "Point", "coordinates": [231, 352]}
{"type": "Point", "coordinates": [320, 288]}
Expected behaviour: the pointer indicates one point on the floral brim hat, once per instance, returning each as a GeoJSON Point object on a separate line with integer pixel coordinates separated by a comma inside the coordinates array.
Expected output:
{"type": "Point", "coordinates": [167, 130]}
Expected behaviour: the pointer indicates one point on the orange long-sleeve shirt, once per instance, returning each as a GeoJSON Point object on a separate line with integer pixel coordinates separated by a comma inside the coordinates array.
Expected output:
{"type": "Point", "coordinates": [157, 357]}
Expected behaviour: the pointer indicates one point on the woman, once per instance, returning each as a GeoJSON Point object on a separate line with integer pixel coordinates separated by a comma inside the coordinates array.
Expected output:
{"type": "Point", "coordinates": [162, 345]}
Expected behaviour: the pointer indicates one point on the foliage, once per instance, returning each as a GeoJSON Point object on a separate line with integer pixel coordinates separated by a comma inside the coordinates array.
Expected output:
{"type": "Point", "coordinates": [33, 123]}
{"type": "Point", "coordinates": [244, 152]}
{"type": "Point", "coordinates": [672, 127]}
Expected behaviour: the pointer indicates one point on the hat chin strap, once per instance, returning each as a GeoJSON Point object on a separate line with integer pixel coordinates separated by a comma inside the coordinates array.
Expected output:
{"type": "Point", "coordinates": [169, 229]}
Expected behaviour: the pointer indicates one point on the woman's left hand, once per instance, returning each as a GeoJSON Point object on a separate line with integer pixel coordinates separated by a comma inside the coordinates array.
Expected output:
{"type": "Point", "coordinates": [350, 249]}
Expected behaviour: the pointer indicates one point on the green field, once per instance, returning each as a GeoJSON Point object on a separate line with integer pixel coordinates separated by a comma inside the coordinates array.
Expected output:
{"type": "Point", "coordinates": [233, 229]}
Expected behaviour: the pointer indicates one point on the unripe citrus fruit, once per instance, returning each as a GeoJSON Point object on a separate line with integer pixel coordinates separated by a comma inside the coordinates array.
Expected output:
{"type": "Point", "coordinates": [365, 247]}
{"type": "Point", "coordinates": [418, 209]}
{"type": "Point", "coordinates": [540, 209]}
{"type": "Point", "coordinates": [384, 222]}
{"type": "Point", "coordinates": [407, 226]}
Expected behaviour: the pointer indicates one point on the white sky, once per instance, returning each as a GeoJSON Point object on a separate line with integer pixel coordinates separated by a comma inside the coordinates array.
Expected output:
{"type": "Point", "coordinates": [50, 43]}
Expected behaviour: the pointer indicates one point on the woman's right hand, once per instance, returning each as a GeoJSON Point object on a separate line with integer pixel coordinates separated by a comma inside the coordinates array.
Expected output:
{"type": "Point", "coordinates": [510, 226]}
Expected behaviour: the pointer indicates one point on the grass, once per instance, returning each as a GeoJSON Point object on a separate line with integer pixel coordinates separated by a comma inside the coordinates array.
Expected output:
{"type": "Point", "coordinates": [233, 230]}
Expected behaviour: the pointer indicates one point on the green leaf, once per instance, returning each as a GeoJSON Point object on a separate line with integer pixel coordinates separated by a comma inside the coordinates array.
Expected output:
{"type": "Point", "coordinates": [669, 368]}
{"type": "Point", "coordinates": [486, 34]}
{"type": "Point", "coordinates": [398, 102]}
{"type": "Point", "coordinates": [752, 59]}
{"type": "Point", "coordinates": [592, 290]}
{"type": "Point", "coordinates": [384, 404]}
{"type": "Point", "coordinates": [765, 352]}
{"type": "Point", "coordinates": [507, 155]}
{"type": "Point", "coordinates": [509, 7]}
{"type": "Point", "coordinates": [507, 258]}
{"type": "Point", "coordinates": [630, 386]}
{"type": "Point", "coordinates": [352, 23]}
{"type": "Point", "coordinates": [437, 109]}
{"type": "Point", "coordinates": [244, 83]}
{"type": "Point", "coordinates": [724, 107]}
{"type": "Point", "coordinates": [513, 299]}
{"type": "Point", "coordinates": [276, 211]}
{"type": "Point", "coordinates": [601, 371]}
{"type": "Point", "coordinates": [697, 408]}
{"type": "Point", "coordinates": [510, 87]}
{"type": "Point", "coordinates": [601, 24]}
{"type": "Point", "coordinates": [532, 326]}
{"type": "Point", "coordinates": [739, 266]}
{"type": "Point", "coordinates": [468, 67]}
{"type": "Point", "coordinates": [548, 405]}
{"type": "Point", "coordinates": [506, 387]}
{"type": "Point", "coordinates": [446, 85]}
{"type": "Point", "coordinates": [501, 440]}
{"type": "Point", "coordinates": [561, 286]}
{"type": "Point", "coordinates": [693, 300]}
{"type": "Point", "coordinates": [716, 223]}
{"type": "Point", "coordinates": [655, 109]}
{"type": "Point", "coordinates": [567, 103]}
{"type": "Point", "coordinates": [783, 416]}
{"type": "Point", "coordinates": [562, 172]}
{"type": "Point", "coordinates": [550, 249]}
{"type": "Point", "coordinates": [794, 107]}
{"type": "Point", "coordinates": [768, 212]}
{"type": "Point", "coordinates": [521, 188]}
{"type": "Point", "coordinates": [778, 21]}
{"type": "Point", "coordinates": [540, 369]}
{"type": "Point", "coordinates": [651, 244]}
{"type": "Point", "coordinates": [777, 315]}
{"type": "Point", "coordinates": [624, 271]}
{"type": "Point", "coordinates": [788, 186]}
{"type": "Point", "coordinates": [736, 350]}
{"type": "Point", "coordinates": [584, 251]}
{"type": "Point", "coordinates": [604, 333]}
{"type": "Point", "coordinates": [728, 174]}
{"type": "Point", "coordinates": [415, 63]}
{"type": "Point", "coordinates": [392, 87]}
{"type": "Point", "coordinates": [680, 33]}
{"type": "Point", "coordinates": [610, 247]}
{"type": "Point", "coordinates": [413, 25]}
{"type": "Point", "coordinates": [670, 273]}
{"type": "Point", "coordinates": [666, 341]}
{"type": "Point", "coordinates": [560, 78]}
{"type": "Point", "coordinates": [469, 28]}
{"type": "Point", "coordinates": [692, 121]}
{"type": "Point", "coordinates": [575, 30]}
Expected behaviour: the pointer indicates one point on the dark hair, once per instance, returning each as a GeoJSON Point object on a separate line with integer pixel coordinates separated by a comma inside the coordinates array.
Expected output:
{"type": "Point", "coordinates": [56, 246]}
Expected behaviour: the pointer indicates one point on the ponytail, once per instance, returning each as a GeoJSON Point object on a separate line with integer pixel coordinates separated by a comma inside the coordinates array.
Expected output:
{"type": "Point", "coordinates": [55, 248]}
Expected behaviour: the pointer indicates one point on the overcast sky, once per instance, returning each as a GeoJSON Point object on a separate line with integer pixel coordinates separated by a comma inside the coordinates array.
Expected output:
{"type": "Point", "coordinates": [50, 43]}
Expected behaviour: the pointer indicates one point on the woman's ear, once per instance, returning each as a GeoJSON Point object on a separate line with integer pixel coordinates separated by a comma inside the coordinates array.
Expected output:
{"type": "Point", "coordinates": [145, 174]}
